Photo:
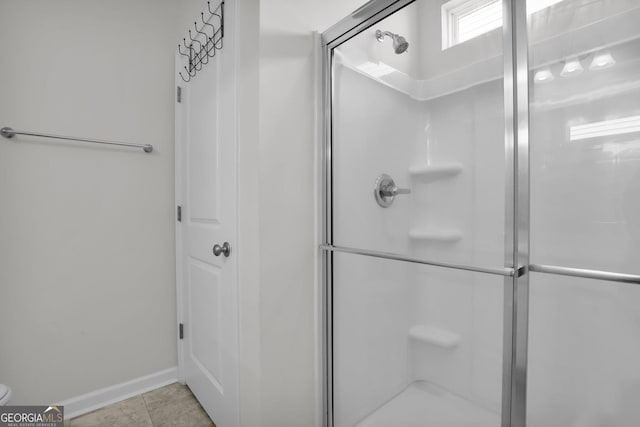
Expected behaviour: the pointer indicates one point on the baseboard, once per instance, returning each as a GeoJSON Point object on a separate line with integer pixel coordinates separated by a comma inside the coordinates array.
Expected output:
{"type": "Point", "coordinates": [88, 402]}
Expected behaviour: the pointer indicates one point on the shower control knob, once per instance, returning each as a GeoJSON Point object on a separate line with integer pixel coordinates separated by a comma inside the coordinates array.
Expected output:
{"type": "Point", "coordinates": [386, 190]}
{"type": "Point", "coordinates": [225, 249]}
{"type": "Point", "coordinates": [394, 191]}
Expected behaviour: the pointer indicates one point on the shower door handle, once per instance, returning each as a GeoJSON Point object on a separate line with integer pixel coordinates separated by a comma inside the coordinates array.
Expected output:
{"type": "Point", "coordinates": [386, 190]}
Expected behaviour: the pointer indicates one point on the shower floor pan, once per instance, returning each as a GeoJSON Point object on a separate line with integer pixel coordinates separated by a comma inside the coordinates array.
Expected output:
{"type": "Point", "coordinates": [423, 404]}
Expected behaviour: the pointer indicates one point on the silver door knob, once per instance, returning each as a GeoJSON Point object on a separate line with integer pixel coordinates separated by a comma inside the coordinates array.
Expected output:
{"type": "Point", "coordinates": [225, 249]}
{"type": "Point", "coordinates": [386, 190]}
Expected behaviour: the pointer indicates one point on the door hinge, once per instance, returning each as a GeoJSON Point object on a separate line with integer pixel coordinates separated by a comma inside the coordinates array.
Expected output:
{"type": "Point", "coordinates": [179, 94]}
{"type": "Point", "coordinates": [179, 214]}
{"type": "Point", "coordinates": [181, 330]}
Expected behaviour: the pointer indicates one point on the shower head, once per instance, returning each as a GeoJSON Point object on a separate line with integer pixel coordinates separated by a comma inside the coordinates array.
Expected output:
{"type": "Point", "coordinates": [400, 44]}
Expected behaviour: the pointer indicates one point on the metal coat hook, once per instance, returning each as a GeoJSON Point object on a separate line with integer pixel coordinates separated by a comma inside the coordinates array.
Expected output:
{"type": "Point", "coordinates": [180, 51]}
{"type": "Point", "coordinates": [205, 55]}
{"type": "Point", "coordinates": [211, 49]}
{"type": "Point", "coordinates": [195, 25]}
{"type": "Point", "coordinates": [218, 41]}
{"type": "Point", "coordinates": [221, 18]}
{"type": "Point", "coordinates": [197, 62]}
{"type": "Point", "coordinates": [193, 57]}
{"type": "Point", "coordinates": [188, 55]}
{"type": "Point", "coordinates": [213, 29]}
{"type": "Point", "coordinates": [202, 47]}
{"type": "Point", "coordinates": [195, 41]}
{"type": "Point", "coordinates": [209, 39]}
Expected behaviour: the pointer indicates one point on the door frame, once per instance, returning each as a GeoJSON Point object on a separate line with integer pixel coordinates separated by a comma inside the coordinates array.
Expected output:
{"type": "Point", "coordinates": [179, 178]}
{"type": "Point", "coordinates": [516, 139]}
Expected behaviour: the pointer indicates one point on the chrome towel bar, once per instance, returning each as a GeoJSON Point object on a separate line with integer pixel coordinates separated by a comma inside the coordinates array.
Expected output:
{"type": "Point", "coordinates": [7, 132]}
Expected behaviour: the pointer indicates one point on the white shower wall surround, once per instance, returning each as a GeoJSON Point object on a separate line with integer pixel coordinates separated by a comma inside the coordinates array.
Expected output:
{"type": "Point", "coordinates": [421, 345]}
{"type": "Point", "coordinates": [401, 133]}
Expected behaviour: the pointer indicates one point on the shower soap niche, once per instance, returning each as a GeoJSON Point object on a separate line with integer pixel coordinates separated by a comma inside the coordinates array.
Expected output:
{"type": "Point", "coordinates": [433, 172]}
{"type": "Point", "coordinates": [435, 235]}
{"type": "Point", "coordinates": [433, 335]}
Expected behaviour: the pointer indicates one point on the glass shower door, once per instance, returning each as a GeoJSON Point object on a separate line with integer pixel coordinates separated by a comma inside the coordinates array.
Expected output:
{"type": "Point", "coordinates": [584, 344]}
{"type": "Point", "coordinates": [439, 179]}
{"type": "Point", "coordinates": [418, 188]}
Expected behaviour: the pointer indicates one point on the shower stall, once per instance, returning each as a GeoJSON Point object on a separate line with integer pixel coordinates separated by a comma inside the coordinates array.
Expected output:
{"type": "Point", "coordinates": [481, 214]}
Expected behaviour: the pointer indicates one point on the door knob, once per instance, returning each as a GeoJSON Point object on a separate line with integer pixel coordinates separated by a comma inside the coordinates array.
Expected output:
{"type": "Point", "coordinates": [385, 190]}
{"type": "Point", "coordinates": [225, 249]}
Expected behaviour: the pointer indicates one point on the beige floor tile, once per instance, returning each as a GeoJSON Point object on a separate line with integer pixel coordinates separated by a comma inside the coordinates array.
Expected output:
{"type": "Point", "coordinates": [130, 412]}
{"type": "Point", "coordinates": [170, 406]}
{"type": "Point", "coordinates": [175, 406]}
{"type": "Point", "coordinates": [171, 392]}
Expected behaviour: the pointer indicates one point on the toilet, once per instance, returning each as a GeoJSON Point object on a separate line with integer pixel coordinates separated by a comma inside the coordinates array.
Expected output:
{"type": "Point", "coordinates": [5, 394]}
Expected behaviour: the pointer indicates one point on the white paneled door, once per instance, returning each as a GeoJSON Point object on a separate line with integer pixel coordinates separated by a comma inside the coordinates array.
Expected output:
{"type": "Point", "coordinates": [206, 194]}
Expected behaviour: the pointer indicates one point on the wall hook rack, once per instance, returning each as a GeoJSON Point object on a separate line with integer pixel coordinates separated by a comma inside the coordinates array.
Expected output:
{"type": "Point", "coordinates": [204, 42]}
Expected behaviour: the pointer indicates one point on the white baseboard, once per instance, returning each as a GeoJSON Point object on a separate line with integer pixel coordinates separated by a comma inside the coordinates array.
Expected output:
{"type": "Point", "coordinates": [88, 402]}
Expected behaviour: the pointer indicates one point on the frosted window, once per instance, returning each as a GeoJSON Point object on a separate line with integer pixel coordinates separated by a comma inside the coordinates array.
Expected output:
{"type": "Point", "coordinates": [479, 21]}
{"type": "Point", "coordinates": [466, 20]}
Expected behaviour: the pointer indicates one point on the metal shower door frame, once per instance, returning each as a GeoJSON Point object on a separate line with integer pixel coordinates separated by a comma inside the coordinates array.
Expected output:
{"type": "Point", "coordinates": [516, 139]}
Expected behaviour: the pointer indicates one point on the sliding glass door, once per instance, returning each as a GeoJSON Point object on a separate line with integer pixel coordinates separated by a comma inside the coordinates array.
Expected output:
{"type": "Point", "coordinates": [481, 214]}
{"type": "Point", "coordinates": [584, 334]}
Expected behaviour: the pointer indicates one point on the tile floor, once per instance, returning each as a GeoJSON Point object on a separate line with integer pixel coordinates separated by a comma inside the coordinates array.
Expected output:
{"type": "Point", "coordinates": [170, 406]}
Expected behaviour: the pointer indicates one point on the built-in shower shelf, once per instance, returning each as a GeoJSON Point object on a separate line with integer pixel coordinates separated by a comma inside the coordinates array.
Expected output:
{"type": "Point", "coordinates": [433, 172]}
{"type": "Point", "coordinates": [433, 335]}
{"type": "Point", "coordinates": [435, 235]}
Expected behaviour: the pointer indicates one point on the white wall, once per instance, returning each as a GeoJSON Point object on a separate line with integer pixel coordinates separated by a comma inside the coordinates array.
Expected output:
{"type": "Point", "coordinates": [87, 278]}
{"type": "Point", "coordinates": [248, 247]}
{"type": "Point", "coordinates": [287, 247]}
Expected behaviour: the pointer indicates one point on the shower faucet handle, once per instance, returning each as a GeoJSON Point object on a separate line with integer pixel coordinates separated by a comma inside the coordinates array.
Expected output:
{"type": "Point", "coordinates": [386, 190]}
{"type": "Point", "coordinates": [395, 191]}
